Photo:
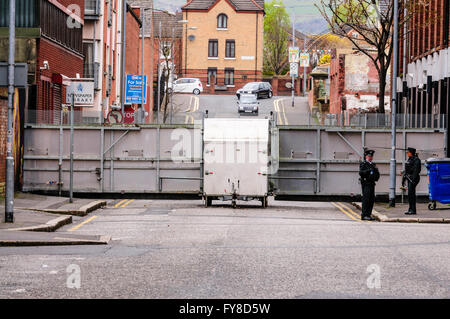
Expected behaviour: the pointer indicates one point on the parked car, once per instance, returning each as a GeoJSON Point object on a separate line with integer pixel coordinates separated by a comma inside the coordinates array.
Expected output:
{"type": "Point", "coordinates": [261, 89]}
{"type": "Point", "coordinates": [248, 103]}
{"type": "Point", "coordinates": [186, 85]}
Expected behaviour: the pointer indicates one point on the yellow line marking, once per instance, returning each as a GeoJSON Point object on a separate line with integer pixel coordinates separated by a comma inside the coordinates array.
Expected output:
{"type": "Point", "coordinates": [348, 209]}
{"type": "Point", "coordinates": [127, 203]}
{"type": "Point", "coordinates": [120, 203]}
{"type": "Point", "coordinates": [276, 106]}
{"type": "Point", "coordinates": [342, 210]}
{"type": "Point", "coordinates": [284, 113]}
{"type": "Point", "coordinates": [81, 224]}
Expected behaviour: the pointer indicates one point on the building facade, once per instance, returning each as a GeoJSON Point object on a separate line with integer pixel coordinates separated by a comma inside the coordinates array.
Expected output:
{"type": "Point", "coordinates": [223, 43]}
{"type": "Point", "coordinates": [424, 65]}
{"type": "Point", "coordinates": [102, 49]}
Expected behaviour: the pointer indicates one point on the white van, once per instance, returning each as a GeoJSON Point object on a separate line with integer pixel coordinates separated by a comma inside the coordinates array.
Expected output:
{"type": "Point", "coordinates": [186, 85]}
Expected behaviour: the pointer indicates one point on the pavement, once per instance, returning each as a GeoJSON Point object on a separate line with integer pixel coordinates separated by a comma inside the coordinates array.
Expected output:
{"type": "Point", "coordinates": [383, 213]}
{"type": "Point", "coordinates": [37, 217]}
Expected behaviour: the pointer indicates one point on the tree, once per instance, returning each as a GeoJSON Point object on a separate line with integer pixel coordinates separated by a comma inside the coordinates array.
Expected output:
{"type": "Point", "coordinates": [276, 38]}
{"type": "Point", "coordinates": [373, 23]}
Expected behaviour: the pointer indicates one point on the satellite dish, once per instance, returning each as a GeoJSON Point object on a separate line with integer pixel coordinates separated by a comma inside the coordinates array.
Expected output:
{"type": "Point", "coordinates": [191, 37]}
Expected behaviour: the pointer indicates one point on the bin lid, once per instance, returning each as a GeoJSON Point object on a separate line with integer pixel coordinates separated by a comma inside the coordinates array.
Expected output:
{"type": "Point", "coordinates": [438, 160]}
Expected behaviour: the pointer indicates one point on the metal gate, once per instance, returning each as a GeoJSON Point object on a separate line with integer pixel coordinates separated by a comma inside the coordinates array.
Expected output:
{"type": "Point", "coordinates": [167, 160]}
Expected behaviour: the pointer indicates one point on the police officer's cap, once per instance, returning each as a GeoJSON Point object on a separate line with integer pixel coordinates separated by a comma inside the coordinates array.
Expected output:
{"type": "Point", "coordinates": [369, 152]}
{"type": "Point", "coordinates": [412, 150]}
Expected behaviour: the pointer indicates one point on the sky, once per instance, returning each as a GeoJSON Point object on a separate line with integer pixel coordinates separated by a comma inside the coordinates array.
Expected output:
{"type": "Point", "coordinates": [308, 18]}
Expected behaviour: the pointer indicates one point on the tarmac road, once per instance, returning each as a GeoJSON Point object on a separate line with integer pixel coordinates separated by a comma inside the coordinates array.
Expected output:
{"type": "Point", "coordinates": [180, 249]}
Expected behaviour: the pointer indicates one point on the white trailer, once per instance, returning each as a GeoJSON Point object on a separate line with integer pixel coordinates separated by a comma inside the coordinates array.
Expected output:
{"type": "Point", "coordinates": [237, 159]}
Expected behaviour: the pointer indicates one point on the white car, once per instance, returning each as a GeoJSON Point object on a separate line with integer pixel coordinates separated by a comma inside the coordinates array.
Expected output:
{"type": "Point", "coordinates": [186, 85]}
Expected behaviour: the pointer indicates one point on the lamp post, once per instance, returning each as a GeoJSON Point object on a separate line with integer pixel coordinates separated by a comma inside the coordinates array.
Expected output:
{"type": "Point", "coordinates": [392, 170]}
{"type": "Point", "coordinates": [9, 192]}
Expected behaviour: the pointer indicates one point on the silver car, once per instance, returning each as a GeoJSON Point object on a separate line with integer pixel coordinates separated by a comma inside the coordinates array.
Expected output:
{"type": "Point", "coordinates": [248, 103]}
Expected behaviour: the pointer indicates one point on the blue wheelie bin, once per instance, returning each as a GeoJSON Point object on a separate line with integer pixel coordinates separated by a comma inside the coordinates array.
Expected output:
{"type": "Point", "coordinates": [439, 181]}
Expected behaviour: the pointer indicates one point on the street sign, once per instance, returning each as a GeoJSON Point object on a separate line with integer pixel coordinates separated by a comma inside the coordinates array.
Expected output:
{"type": "Point", "coordinates": [83, 91]}
{"type": "Point", "coordinates": [128, 115]}
{"type": "Point", "coordinates": [294, 54]}
{"type": "Point", "coordinates": [293, 69]}
{"type": "Point", "coordinates": [133, 89]}
{"type": "Point", "coordinates": [115, 117]}
{"type": "Point", "coordinates": [304, 60]}
{"type": "Point", "coordinates": [20, 74]}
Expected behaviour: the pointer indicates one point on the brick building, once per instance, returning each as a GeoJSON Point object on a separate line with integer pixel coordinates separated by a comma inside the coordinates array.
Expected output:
{"type": "Point", "coordinates": [353, 77]}
{"type": "Point", "coordinates": [223, 39]}
{"type": "Point", "coordinates": [49, 40]}
{"type": "Point", "coordinates": [424, 65]}
{"type": "Point", "coordinates": [102, 51]}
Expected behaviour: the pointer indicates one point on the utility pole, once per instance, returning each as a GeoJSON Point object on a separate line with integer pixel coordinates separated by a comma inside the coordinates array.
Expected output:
{"type": "Point", "coordinates": [172, 56]}
{"type": "Point", "coordinates": [140, 113]}
{"type": "Point", "coordinates": [72, 105]}
{"type": "Point", "coordinates": [159, 71]}
{"type": "Point", "coordinates": [392, 171]}
{"type": "Point", "coordinates": [304, 68]}
{"type": "Point", "coordinates": [293, 45]}
{"type": "Point", "coordinates": [123, 49]}
{"type": "Point", "coordinates": [9, 192]}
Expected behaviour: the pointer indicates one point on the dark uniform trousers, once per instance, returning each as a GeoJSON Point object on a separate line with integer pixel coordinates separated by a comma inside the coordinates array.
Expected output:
{"type": "Point", "coordinates": [368, 199]}
{"type": "Point", "coordinates": [412, 196]}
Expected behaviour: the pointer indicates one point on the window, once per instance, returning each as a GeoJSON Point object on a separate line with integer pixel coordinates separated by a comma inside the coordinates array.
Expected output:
{"type": "Point", "coordinates": [213, 48]}
{"type": "Point", "coordinates": [88, 63]}
{"type": "Point", "coordinates": [230, 49]}
{"type": "Point", "coordinates": [222, 21]}
{"type": "Point", "coordinates": [212, 72]}
{"type": "Point", "coordinates": [229, 76]}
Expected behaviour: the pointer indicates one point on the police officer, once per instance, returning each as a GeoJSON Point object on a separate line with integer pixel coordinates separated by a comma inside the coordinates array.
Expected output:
{"type": "Point", "coordinates": [412, 176]}
{"type": "Point", "coordinates": [369, 176]}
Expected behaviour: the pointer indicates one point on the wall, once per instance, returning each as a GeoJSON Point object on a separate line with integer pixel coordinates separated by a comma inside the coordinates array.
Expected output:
{"type": "Point", "coordinates": [317, 155]}
{"type": "Point", "coordinates": [354, 75]}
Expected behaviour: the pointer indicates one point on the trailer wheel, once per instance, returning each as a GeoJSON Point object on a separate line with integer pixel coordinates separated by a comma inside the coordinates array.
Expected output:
{"type": "Point", "coordinates": [264, 201]}
{"type": "Point", "coordinates": [432, 205]}
{"type": "Point", "coordinates": [208, 201]}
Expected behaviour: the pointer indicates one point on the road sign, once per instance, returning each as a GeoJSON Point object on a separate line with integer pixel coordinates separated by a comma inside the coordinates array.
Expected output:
{"type": "Point", "coordinates": [83, 91]}
{"type": "Point", "coordinates": [294, 54]}
{"type": "Point", "coordinates": [115, 117]}
{"type": "Point", "coordinates": [128, 115]}
{"type": "Point", "coordinates": [294, 69]}
{"type": "Point", "coordinates": [304, 60]}
{"type": "Point", "coordinates": [133, 89]}
{"type": "Point", "coordinates": [20, 74]}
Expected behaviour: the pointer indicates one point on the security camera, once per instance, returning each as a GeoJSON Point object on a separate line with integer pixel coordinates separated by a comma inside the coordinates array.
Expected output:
{"type": "Point", "coordinates": [46, 66]}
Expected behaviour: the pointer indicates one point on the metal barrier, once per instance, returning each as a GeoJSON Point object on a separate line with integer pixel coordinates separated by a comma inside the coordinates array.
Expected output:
{"type": "Point", "coordinates": [313, 160]}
